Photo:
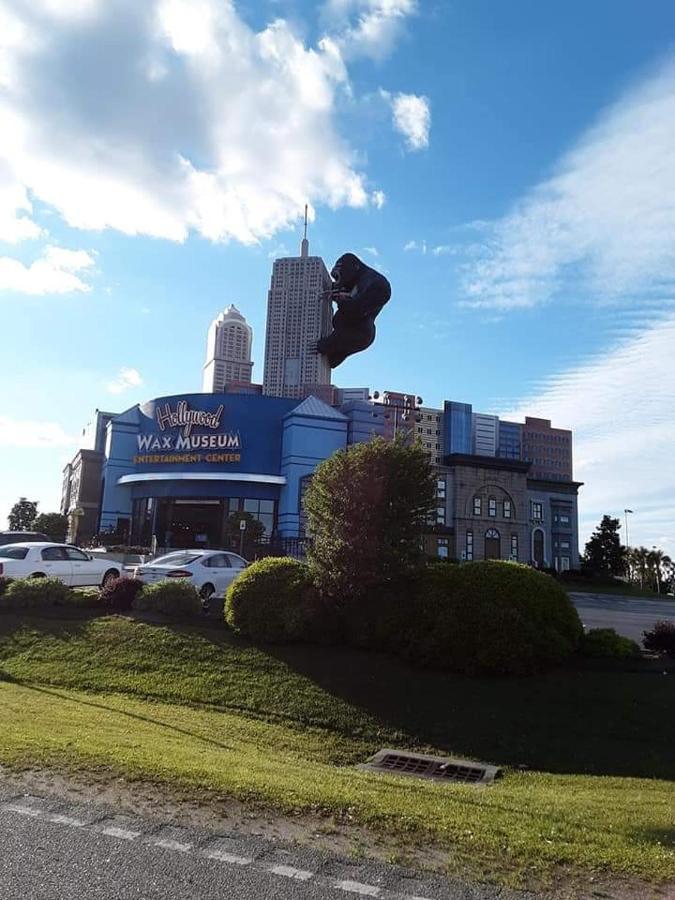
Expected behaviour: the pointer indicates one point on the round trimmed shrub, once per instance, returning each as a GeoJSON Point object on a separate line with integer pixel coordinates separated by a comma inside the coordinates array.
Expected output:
{"type": "Point", "coordinates": [4, 583]}
{"type": "Point", "coordinates": [490, 616]}
{"type": "Point", "coordinates": [661, 639]}
{"type": "Point", "coordinates": [32, 593]}
{"type": "Point", "coordinates": [605, 643]}
{"type": "Point", "coordinates": [170, 598]}
{"type": "Point", "coordinates": [120, 594]}
{"type": "Point", "coordinates": [274, 601]}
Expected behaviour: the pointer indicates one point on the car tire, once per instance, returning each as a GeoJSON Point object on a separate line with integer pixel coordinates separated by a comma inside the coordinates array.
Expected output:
{"type": "Point", "coordinates": [206, 591]}
{"type": "Point", "coordinates": [110, 576]}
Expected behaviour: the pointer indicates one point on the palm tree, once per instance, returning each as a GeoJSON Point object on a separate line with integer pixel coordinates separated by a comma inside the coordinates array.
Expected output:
{"type": "Point", "coordinates": [640, 561]}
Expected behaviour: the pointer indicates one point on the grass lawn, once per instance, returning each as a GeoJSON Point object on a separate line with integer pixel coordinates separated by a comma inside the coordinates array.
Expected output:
{"type": "Point", "coordinates": [619, 588]}
{"type": "Point", "coordinates": [589, 752]}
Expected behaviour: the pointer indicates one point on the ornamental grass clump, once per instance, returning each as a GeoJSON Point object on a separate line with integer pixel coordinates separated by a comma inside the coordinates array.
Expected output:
{"type": "Point", "coordinates": [171, 597]}
{"type": "Point", "coordinates": [33, 593]}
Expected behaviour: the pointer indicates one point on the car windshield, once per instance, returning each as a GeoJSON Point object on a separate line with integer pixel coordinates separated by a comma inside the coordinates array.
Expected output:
{"type": "Point", "coordinates": [176, 559]}
{"type": "Point", "coordinates": [10, 552]}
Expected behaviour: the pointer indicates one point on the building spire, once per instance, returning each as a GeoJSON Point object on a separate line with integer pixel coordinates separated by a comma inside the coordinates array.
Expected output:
{"type": "Point", "coordinates": [304, 246]}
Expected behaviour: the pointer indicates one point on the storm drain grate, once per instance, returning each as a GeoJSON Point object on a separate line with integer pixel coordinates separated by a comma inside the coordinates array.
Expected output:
{"type": "Point", "coordinates": [438, 768]}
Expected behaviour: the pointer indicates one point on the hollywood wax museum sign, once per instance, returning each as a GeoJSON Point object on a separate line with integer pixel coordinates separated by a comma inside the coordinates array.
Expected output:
{"type": "Point", "coordinates": [176, 434]}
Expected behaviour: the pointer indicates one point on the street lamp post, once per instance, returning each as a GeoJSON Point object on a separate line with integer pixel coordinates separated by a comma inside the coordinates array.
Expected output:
{"type": "Point", "coordinates": [625, 513]}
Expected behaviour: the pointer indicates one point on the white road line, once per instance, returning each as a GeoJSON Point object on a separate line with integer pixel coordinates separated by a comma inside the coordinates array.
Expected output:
{"type": "Point", "coordinates": [124, 833]}
{"type": "Point", "coordinates": [23, 810]}
{"type": "Point", "coordinates": [59, 819]}
{"type": "Point", "coordinates": [222, 856]}
{"type": "Point", "coordinates": [291, 872]}
{"type": "Point", "coordinates": [172, 845]}
{"type": "Point", "coordinates": [356, 887]}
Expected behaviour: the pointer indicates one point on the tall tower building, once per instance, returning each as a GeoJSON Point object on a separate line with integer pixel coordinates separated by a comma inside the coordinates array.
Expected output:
{"type": "Point", "coordinates": [228, 351]}
{"type": "Point", "coordinates": [298, 313]}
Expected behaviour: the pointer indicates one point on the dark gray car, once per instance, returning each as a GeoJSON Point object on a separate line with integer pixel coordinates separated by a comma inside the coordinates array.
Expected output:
{"type": "Point", "coordinates": [21, 537]}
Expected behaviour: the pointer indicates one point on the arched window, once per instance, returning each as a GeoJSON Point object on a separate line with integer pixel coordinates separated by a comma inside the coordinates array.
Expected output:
{"type": "Point", "coordinates": [538, 546]}
{"type": "Point", "coordinates": [493, 544]}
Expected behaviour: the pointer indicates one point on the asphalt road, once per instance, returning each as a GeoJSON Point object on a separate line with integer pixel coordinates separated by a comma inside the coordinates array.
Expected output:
{"type": "Point", "coordinates": [629, 616]}
{"type": "Point", "coordinates": [51, 850]}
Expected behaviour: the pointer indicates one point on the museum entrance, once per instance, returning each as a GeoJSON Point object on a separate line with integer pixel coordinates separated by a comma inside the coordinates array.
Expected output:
{"type": "Point", "coordinates": [195, 522]}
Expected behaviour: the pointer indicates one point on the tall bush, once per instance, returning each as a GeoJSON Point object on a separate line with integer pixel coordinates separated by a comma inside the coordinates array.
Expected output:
{"type": "Point", "coordinates": [367, 507]}
{"type": "Point", "coordinates": [120, 593]}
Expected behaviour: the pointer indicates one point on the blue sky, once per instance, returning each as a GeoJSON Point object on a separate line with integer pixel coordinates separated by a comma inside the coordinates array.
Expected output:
{"type": "Point", "coordinates": [510, 166]}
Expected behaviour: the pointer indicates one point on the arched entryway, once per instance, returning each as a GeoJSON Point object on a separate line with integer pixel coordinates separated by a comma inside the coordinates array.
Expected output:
{"type": "Point", "coordinates": [538, 546]}
{"type": "Point", "coordinates": [493, 544]}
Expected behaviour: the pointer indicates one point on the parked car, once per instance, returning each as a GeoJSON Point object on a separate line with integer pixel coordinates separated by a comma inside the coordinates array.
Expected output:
{"type": "Point", "coordinates": [20, 537]}
{"type": "Point", "coordinates": [210, 571]}
{"type": "Point", "coordinates": [46, 559]}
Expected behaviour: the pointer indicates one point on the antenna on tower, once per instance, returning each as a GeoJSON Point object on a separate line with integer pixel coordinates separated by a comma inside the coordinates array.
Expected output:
{"type": "Point", "coordinates": [304, 246]}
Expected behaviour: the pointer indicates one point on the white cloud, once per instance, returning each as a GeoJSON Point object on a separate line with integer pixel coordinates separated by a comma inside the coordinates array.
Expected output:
{"type": "Point", "coordinates": [368, 27]}
{"type": "Point", "coordinates": [620, 406]}
{"type": "Point", "coordinates": [15, 211]}
{"type": "Point", "coordinates": [171, 116]}
{"type": "Point", "coordinates": [127, 378]}
{"type": "Point", "coordinates": [378, 199]}
{"type": "Point", "coordinates": [55, 272]}
{"type": "Point", "coordinates": [443, 250]}
{"type": "Point", "coordinates": [420, 246]}
{"type": "Point", "coordinates": [412, 118]}
{"type": "Point", "coordinates": [602, 223]}
{"type": "Point", "coordinates": [25, 433]}
{"type": "Point", "coordinates": [372, 250]}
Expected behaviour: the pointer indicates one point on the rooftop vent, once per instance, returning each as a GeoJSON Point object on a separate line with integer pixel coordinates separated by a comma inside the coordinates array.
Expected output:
{"type": "Point", "coordinates": [438, 768]}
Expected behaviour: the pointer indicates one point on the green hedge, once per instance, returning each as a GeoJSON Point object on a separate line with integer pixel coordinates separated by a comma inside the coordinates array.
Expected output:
{"type": "Point", "coordinates": [31, 593]}
{"type": "Point", "coordinates": [489, 617]}
{"type": "Point", "coordinates": [4, 584]}
{"type": "Point", "coordinates": [170, 597]}
{"type": "Point", "coordinates": [274, 601]}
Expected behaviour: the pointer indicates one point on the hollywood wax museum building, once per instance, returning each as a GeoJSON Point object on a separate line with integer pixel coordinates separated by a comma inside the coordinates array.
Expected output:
{"type": "Point", "coordinates": [177, 467]}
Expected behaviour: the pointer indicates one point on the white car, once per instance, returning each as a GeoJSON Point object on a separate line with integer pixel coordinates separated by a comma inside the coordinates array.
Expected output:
{"type": "Point", "coordinates": [211, 572]}
{"type": "Point", "coordinates": [40, 559]}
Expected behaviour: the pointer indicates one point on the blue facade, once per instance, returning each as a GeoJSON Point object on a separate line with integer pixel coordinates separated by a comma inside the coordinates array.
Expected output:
{"type": "Point", "coordinates": [457, 427]}
{"type": "Point", "coordinates": [189, 461]}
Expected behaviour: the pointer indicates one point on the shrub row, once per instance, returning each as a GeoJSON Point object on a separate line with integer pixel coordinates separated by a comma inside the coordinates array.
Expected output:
{"type": "Point", "coordinates": [171, 598]}
{"type": "Point", "coordinates": [478, 617]}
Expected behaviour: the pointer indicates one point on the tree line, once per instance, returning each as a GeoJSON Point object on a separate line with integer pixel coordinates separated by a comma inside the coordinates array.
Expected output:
{"type": "Point", "coordinates": [606, 555]}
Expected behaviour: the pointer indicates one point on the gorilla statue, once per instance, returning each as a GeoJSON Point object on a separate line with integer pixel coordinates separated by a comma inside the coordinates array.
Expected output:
{"type": "Point", "coordinates": [359, 293]}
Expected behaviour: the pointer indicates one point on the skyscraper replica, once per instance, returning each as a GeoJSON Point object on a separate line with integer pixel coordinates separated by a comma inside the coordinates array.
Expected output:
{"type": "Point", "coordinates": [228, 351]}
{"type": "Point", "coordinates": [298, 313]}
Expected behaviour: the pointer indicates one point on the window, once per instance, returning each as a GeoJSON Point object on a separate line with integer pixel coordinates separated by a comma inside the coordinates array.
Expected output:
{"type": "Point", "coordinates": [537, 511]}
{"type": "Point", "coordinates": [440, 515]}
{"type": "Point", "coordinates": [218, 561]}
{"type": "Point", "coordinates": [564, 520]}
{"type": "Point", "coordinates": [564, 563]}
{"type": "Point", "coordinates": [514, 546]}
{"type": "Point", "coordinates": [492, 507]}
{"type": "Point", "coordinates": [442, 548]}
{"type": "Point", "coordinates": [13, 552]}
{"type": "Point", "coordinates": [440, 489]}
{"type": "Point", "coordinates": [564, 545]}
{"type": "Point", "coordinates": [507, 509]}
{"type": "Point", "coordinates": [237, 562]}
{"type": "Point", "coordinates": [76, 555]}
{"type": "Point", "coordinates": [476, 506]}
{"type": "Point", "coordinates": [469, 545]}
{"type": "Point", "coordinates": [51, 553]}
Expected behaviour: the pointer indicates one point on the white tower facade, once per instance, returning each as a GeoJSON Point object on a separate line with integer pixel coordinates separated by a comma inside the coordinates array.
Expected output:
{"type": "Point", "coordinates": [228, 351]}
{"type": "Point", "coordinates": [298, 313]}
